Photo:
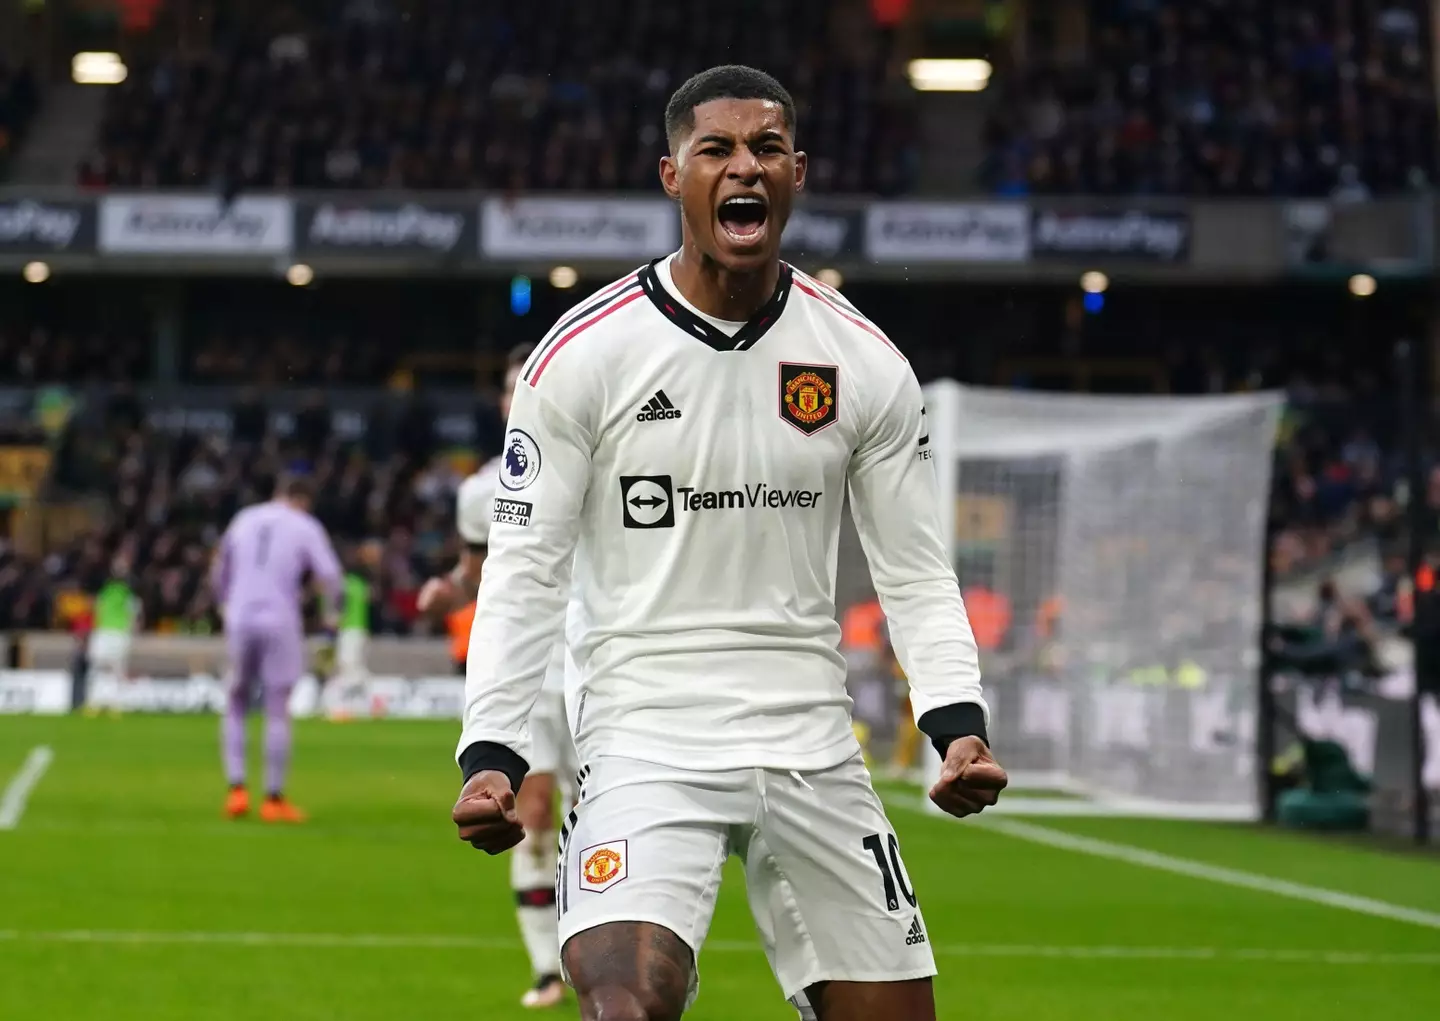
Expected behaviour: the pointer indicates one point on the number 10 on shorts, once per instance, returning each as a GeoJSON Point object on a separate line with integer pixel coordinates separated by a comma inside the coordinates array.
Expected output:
{"type": "Point", "coordinates": [892, 873]}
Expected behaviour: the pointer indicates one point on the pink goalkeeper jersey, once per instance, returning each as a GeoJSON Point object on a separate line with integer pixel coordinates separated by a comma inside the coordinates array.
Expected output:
{"type": "Point", "coordinates": [264, 557]}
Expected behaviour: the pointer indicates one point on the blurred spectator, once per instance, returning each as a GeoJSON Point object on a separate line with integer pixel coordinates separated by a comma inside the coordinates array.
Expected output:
{"type": "Point", "coordinates": [465, 95]}
{"type": "Point", "coordinates": [249, 419]}
{"type": "Point", "coordinates": [1340, 639]}
{"type": "Point", "coordinates": [31, 353]}
{"type": "Point", "coordinates": [1332, 485]}
{"type": "Point", "coordinates": [1230, 97]}
{"type": "Point", "coordinates": [1387, 603]}
{"type": "Point", "coordinates": [312, 426]}
{"type": "Point", "coordinates": [415, 431]}
{"type": "Point", "coordinates": [19, 99]}
{"type": "Point", "coordinates": [278, 355]}
{"type": "Point", "coordinates": [122, 409]}
{"type": "Point", "coordinates": [34, 354]}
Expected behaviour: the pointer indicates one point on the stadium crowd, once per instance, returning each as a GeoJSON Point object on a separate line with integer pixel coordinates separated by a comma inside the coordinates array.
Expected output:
{"type": "Point", "coordinates": [387, 494]}
{"type": "Point", "coordinates": [463, 95]}
{"type": "Point", "coordinates": [387, 499]}
{"type": "Point", "coordinates": [1229, 97]}
{"type": "Point", "coordinates": [340, 336]}
{"type": "Point", "coordinates": [34, 354]}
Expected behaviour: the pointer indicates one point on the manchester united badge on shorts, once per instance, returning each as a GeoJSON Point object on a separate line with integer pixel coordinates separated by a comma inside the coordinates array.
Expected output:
{"type": "Point", "coordinates": [809, 395]}
{"type": "Point", "coordinates": [604, 865]}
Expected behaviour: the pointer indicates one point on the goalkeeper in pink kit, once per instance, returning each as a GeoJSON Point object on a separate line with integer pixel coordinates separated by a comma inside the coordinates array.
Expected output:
{"type": "Point", "coordinates": [264, 559]}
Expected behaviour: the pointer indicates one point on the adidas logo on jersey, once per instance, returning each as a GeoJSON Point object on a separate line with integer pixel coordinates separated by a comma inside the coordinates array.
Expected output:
{"type": "Point", "coordinates": [658, 407]}
{"type": "Point", "coordinates": [916, 935]}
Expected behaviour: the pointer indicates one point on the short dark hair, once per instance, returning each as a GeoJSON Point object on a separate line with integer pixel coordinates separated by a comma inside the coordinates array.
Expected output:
{"type": "Point", "coordinates": [728, 81]}
{"type": "Point", "coordinates": [299, 487]}
{"type": "Point", "coordinates": [519, 354]}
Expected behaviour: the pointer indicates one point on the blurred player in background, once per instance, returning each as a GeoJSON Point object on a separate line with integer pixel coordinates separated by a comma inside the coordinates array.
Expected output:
{"type": "Point", "coordinates": [117, 617]}
{"type": "Point", "coordinates": [532, 868]}
{"type": "Point", "coordinates": [265, 556]}
{"type": "Point", "coordinates": [686, 438]}
{"type": "Point", "coordinates": [353, 637]}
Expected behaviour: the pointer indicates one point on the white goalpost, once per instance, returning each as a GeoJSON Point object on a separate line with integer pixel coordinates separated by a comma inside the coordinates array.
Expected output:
{"type": "Point", "coordinates": [1111, 550]}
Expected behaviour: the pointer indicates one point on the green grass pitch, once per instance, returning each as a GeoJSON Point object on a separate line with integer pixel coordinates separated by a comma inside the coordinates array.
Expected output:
{"type": "Point", "coordinates": [125, 895]}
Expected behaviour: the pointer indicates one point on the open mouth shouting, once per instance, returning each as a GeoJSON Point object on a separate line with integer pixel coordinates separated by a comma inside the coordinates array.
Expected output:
{"type": "Point", "coordinates": [743, 220]}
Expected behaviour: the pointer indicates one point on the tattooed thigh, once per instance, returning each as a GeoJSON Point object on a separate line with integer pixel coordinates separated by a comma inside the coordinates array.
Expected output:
{"type": "Point", "coordinates": [629, 971]}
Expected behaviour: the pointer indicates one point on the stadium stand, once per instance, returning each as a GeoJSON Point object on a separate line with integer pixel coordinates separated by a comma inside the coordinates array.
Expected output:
{"type": "Point", "coordinates": [387, 498]}
{"type": "Point", "coordinates": [99, 333]}
{"type": "Point", "coordinates": [460, 95]}
{"type": "Point", "coordinates": [1233, 97]}
{"type": "Point", "coordinates": [1336, 478]}
{"type": "Point", "coordinates": [230, 331]}
{"type": "Point", "coordinates": [388, 495]}
{"type": "Point", "coordinates": [40, 352]}
{"type": "Point", "coordinates": [19, 99]}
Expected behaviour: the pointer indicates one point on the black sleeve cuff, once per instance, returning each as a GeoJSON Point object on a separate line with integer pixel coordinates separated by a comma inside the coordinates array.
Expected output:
{"type": "Point", "coordinates": [483, 755]}
{"type": "Point", "coordinates": [945, 724]}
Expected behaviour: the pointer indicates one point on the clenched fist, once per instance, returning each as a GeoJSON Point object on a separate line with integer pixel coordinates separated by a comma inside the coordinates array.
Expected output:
{"type": "Point", "coordinates": [485, 813]}
{"type": "Point", "coordinates": [437, 597]}
{"type": "Point", "coordinates": [970, 778]}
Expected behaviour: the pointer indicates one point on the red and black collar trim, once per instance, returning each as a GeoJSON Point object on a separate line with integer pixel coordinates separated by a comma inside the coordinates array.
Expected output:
{"type": "Point", "coordinates": [692, 324]}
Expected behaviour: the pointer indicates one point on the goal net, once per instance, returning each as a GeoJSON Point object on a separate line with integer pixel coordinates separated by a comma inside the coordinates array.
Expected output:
{"type": "Point", "coordinates": [1111, 554]}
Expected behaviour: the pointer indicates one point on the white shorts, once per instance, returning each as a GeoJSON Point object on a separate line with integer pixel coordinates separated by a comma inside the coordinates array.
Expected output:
{"type": "Point", "coordinates": [350, 653]}
{"type": "Point", "coordinates": [109, 651]}
{"type": "Point", "coordinates": [826, 884]}
{"type": "Point", "coordinates": [552, 749]}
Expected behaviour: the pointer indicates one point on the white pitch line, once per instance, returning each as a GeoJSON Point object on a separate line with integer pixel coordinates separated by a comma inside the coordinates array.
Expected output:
{"type": "Point", "coordinates": [17, 792]}
{"type": "Point", "coordinates": [1200, 870]}
{"type": "Point", "coordinates": [424, 941]}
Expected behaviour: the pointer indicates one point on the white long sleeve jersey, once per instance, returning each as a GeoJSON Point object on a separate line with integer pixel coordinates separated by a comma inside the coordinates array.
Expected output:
{"type": "Point", "coordinates": [698, 479]}
{"type": "Point", "coordinates": [474, 517]}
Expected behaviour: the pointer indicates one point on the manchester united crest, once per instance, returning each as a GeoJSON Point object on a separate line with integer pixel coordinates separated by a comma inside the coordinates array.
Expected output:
{"type": "Point", "coordinates": [603, 865]}
{"type": "Point", "coordinates": [809, 395]}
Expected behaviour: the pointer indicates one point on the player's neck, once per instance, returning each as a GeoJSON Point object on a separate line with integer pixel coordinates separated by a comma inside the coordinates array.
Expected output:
{"type": "Point", "coordinates": [719, 292]}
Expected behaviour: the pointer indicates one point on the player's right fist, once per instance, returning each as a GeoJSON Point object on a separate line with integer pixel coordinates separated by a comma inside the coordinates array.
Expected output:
{"type": "Point", "coordinates": [485, 813]}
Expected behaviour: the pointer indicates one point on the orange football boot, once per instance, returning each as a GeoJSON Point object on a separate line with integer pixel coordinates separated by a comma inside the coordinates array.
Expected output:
{"type": "Point", "coordinates": [237, 805]}
{"type": "Point", "coordinates": [279, 810]}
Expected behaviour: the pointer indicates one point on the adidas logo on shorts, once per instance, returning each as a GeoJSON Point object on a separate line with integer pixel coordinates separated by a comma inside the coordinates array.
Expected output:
{"type": "Point", "coordinates": [916, 934]}
{"type": "Point", "coordinates": [657, 408]}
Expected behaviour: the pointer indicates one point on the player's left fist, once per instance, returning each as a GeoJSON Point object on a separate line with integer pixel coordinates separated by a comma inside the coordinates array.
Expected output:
{"type": "Point", "coordinates": [970, 778]}
{"type": "Point", "coordinates": [485, 813]}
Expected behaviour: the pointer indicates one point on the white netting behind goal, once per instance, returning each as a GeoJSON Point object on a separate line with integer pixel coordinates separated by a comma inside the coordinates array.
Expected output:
{"type": "Point", "coordinates": [1111, 553]}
